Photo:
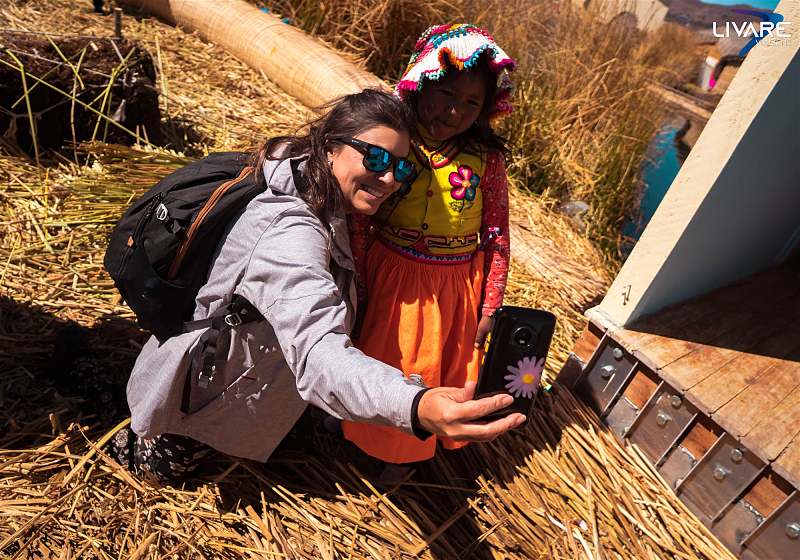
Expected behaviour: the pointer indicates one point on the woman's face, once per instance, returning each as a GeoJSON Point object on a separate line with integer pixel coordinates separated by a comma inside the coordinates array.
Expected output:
{"type": "Point", "coordinates": [449, 106]}
{"type": "Point", "coordinates": [365, 190]}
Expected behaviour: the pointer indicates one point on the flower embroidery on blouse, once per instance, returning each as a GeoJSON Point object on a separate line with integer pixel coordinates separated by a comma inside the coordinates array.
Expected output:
{"type": "Point", "coordinates": [524, 379]}
{"type": "Point", "coordinates": [465, 184]}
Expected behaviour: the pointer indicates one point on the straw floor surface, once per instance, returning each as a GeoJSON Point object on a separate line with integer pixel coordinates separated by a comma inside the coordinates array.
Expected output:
{"type": "Point", "coordinates": [562, 487]}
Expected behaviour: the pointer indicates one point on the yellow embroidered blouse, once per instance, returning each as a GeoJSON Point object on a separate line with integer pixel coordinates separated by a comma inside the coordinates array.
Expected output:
{"type": "Point", "coordinates": [442, 213]}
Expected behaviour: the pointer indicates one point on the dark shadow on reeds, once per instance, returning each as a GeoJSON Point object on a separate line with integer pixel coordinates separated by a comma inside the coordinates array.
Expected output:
{"type": "Point", "coordinates": [62, 90]}
{"type": "Point", "coordinates": [43, 372]}
{"type": "Point", "coordinates": [185, 136]}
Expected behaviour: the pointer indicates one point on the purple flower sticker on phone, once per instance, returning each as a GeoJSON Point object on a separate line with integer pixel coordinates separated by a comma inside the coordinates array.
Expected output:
{"type": "Point", "coordinates": [524, 379]}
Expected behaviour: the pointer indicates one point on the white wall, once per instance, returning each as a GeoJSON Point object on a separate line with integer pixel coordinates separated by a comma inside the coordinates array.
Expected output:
{"type": "Point", "coordinates": [734, 207]}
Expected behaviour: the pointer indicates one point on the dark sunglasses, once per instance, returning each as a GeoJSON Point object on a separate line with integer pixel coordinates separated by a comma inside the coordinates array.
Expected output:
{"type": "Point", "coordinates": [378, 160]}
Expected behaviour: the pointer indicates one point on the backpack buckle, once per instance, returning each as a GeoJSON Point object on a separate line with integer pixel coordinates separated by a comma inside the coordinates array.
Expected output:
{"type": "Point", "coordinates": [233, 319]}
{"type": "Point", "coordinates": [206, 375]}
{"type": "Point", "coordinates": [238, 309]}
{"type": "Point", "coordinates": [203, 380]}
{"type": "Point", "coordinates": [162, 212]}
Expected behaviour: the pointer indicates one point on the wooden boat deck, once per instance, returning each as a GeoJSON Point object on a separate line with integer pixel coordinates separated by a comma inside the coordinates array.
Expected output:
{"type": "Point", "coordinates": [709, 390]}
{"type": "Point", "coordinates": [735, 354]}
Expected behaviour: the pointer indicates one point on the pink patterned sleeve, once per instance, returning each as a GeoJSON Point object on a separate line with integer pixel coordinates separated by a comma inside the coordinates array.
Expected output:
{"type": "Point", "coordinates": [495, 222]}
{"type": "Point", "coordinates": [360, 234]}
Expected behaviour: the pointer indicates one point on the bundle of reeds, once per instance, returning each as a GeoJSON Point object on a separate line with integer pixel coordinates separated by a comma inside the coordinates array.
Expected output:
{"type": "Point", "coordinates": [560, 488]}
{"type": "Point", "coordinates": [379, 33]}
{"type": "Point", "coordinates": [74, 89]}
{"type": "Point", "coordinates": [247, 109]}
{"type": "Point", "coordinates": [299, 64]}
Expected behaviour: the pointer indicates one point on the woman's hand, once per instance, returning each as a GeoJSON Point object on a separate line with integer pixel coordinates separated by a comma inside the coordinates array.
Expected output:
{"type": "Point", "coordinates": [451, 412]}
{"type": "Point", "coordinates": [484, 327]}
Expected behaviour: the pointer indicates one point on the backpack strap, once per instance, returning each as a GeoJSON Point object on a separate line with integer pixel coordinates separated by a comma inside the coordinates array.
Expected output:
{"type": "Point", "coordinates": [238, 312]}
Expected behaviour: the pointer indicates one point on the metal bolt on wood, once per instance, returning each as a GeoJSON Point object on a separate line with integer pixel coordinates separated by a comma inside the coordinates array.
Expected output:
{"type": "Point", "coordinates": [607, 371]}
{"type": "Point", "coordinates": [720, 473]}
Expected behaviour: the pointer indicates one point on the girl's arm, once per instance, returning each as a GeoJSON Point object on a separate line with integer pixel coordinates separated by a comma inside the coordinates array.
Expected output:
{"type": "Point", "coordinates": [495, 215]}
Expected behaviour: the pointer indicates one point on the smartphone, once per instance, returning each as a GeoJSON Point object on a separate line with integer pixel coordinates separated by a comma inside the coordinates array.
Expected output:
{"type": "Point", "coordinates": [514, 362]}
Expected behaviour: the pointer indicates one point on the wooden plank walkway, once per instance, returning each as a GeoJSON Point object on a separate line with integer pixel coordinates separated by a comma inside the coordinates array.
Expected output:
{"type": "Point", "coordinates": [735, 354]}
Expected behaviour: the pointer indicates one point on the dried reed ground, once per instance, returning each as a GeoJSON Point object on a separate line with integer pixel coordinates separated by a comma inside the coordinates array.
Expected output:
{"type": "Point", "coordinates": [562, 488]}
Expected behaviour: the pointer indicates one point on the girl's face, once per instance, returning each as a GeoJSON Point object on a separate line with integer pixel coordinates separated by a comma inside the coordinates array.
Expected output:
{"type": "Point", "coordinates": [449, 106]}
{"type": "Point", "coordinates": [365, 190]}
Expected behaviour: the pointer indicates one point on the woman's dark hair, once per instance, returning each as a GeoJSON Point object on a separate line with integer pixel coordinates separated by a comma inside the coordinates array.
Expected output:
{"type": "Point", "coordinates": [344, 117]}
{"type": "Point", "coordinates": [480, 136]}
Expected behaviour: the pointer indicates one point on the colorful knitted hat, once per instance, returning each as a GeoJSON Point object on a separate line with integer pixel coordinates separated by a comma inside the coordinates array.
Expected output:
{"type": "Point", "coordinates": [459, 45]}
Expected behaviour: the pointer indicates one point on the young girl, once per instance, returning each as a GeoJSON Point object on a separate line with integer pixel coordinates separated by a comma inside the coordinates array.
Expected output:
{"type": "Point", "coordinates": [434, 260]}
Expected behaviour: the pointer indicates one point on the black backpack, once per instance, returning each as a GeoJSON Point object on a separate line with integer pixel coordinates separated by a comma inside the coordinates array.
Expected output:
{"type": "Point", "coordinates": [160, 252]}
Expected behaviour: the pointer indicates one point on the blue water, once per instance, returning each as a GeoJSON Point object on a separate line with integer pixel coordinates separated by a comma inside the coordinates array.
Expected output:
{"type": "Point", "coordinates": [658, 173]}
{"type": "Point", "coordinates": [757, 4]}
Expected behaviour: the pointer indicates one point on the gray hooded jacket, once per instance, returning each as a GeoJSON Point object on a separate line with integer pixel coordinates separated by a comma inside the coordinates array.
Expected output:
{"type": "Point", "coordinates": [299, 275]}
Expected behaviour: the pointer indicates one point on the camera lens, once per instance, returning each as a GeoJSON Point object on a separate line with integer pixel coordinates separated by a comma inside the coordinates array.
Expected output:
{"type": "Point", "coordinates": [522, 337]}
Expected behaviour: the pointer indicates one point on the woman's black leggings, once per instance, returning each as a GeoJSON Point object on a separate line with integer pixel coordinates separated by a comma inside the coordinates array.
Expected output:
{"type": "Point", "coordinates": [165, 459]}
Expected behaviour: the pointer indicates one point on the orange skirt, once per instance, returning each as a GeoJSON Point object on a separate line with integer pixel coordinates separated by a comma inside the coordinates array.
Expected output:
{"type": "Point", "coordinates": [422, 319]}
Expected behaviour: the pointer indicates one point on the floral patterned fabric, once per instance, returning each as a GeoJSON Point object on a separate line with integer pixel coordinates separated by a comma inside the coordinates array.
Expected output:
{"type": "Point", "coordinates": [165, 459]}
{"type": "Point", "coordinates": [460, 45]}
{"type": "Point", "coordinates": [441, 214]}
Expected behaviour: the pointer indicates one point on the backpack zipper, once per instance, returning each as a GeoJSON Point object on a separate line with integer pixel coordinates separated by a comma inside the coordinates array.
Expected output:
{"type": "Point", "coordinates": [207, 208]}
{"type": "Point", "coordinates": [137, 231]}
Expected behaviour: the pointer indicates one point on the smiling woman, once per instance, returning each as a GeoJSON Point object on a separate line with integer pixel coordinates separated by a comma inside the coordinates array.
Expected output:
{"type": "Point", "coordinates": [369, 168]}
{"type": "Point", "coordinates": [358, 146]}
{"type": "Point", "coordinates": [239, 386]}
